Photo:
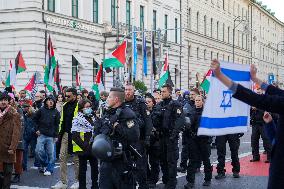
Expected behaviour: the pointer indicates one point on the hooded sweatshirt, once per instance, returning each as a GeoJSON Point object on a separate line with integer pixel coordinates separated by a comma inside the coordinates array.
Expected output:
{"type": "Point", "coordinates": [47, 120]}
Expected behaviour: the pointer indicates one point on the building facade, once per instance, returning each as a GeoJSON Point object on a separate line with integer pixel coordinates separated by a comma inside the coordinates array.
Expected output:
{"type": "Point", "coordinates": [192, 32]}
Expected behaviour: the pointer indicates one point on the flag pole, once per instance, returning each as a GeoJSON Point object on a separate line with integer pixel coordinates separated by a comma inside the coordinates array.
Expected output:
{"type": "Point", "coordinates": [152, 51]}
{"type": "Point", "coordinates": [143, 38]}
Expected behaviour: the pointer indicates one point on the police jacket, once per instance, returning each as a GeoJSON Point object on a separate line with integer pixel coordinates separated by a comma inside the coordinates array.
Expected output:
{"type": "Point", "coordinates": [169, 115]}
{"type": "Point", "coordinates": [195, 120]}
{"type": "Point", "coordinates": [120, 124]}
{"type": "Point", "coordinates": [272, 101]}
{"type": "Point", "coordinates": [256, 117]}
{"type": "Point", "coordinates": [138, 106]}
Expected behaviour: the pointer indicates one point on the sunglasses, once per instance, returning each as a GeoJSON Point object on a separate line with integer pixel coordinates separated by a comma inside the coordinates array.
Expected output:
{"type": "Point", "coordinates": [67, 96]}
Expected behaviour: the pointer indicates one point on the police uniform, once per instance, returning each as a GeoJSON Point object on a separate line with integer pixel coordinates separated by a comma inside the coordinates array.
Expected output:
{"type": "Point", "coordinates": [153, 153]}
{"type": "Point", "coordinates": [139, 107]}
{"type": "Point", "coordinates": [199, 148]}
{"type": "Point", "coordinates": [188, 110]}
{"type": "Point", "coordinates": [169, 114]}
{"type": "Point", "coordinates": [123, 130]}
{"type": "Point", "coordinates": [257, 123]}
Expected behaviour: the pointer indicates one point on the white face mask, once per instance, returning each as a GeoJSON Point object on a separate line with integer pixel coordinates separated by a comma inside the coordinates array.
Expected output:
{"type": "Point", "coordinates": [87, 111]}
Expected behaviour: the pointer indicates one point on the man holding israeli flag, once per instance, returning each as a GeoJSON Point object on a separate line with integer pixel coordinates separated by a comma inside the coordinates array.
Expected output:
{"type": "Point", "coordinates": [226, 117]}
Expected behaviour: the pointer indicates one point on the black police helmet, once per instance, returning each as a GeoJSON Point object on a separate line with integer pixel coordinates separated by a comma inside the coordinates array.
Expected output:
{"type": "Point", "coordinates": [102, 148]}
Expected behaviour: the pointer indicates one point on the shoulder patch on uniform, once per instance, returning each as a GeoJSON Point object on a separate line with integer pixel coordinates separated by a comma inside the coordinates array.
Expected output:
{"type": "Point", "coordinates": [178, 111]}
{"type": "Point", "coordinates": [130, 124]}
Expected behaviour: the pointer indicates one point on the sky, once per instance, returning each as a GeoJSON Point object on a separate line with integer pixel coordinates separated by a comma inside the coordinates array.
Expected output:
{"type": "Point", "coordinates": [275, 6]}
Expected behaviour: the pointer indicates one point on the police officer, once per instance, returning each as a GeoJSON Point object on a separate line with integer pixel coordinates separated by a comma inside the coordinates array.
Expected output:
{"type": "Point", "coordinates": [234, 144]}
{"type": "Point", "coordinates": [188, 110]}
{"type": "Point", "coordinates": [120, 125]}
{"type": "Point", "coordinates": [153, 151]}
{"type": "Point", "coordinates": [138, 105]}
{"type": "Point", "coordinates": [199, 147]}
{"type": "Point", "coordinates": [169, 114]}
{"type": "Point", "coordinates": [257, 124]}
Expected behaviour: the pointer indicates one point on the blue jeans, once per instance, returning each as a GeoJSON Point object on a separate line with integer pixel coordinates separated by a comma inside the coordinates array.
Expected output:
{"type": "Point", "coordinates": [30, 142]}
{"type": "Point", "coordinates": [45, 152]}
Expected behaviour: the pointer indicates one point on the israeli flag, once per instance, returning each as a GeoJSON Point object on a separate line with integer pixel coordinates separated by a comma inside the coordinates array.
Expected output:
{"type": "Point", "coordinates": [222, 113]}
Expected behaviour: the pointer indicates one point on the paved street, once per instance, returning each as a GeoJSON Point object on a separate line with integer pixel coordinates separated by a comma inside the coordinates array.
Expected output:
{"type": "Point", "coordinates": [253, 175]}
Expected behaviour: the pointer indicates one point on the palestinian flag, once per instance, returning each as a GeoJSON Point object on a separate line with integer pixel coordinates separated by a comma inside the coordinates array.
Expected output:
{"type": "Point", "coordinates": [31, 87]}
{"type": "Point", "coordinates": [18, 67]}
{"type": "Point", "coordinates": [50, 66]}
{"type": "Point", "coordinates": [206, 82]}
{"type": "Point", "coordinates": [98, 83]}
{"type": "Point", "coordinates": [57, 80]}
{"type": "Point", "coordinates": [78, 80]}
{"type": "Point", "coordinates": [117, 58]}
{"type": "Point", "coordinates": [165, 73]}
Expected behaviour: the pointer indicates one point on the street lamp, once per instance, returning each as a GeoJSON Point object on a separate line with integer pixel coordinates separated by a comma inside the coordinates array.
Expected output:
{"type": "Point", "coordinates": [240, 20]}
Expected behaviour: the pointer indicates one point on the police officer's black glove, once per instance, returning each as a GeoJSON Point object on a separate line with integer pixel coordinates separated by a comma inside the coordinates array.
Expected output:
{"type": "Point", "coordinates": [115, 117]}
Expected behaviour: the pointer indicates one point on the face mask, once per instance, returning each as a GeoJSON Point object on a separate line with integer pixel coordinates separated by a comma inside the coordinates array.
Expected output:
{"type": "Point", "coordinates": [88, 111]}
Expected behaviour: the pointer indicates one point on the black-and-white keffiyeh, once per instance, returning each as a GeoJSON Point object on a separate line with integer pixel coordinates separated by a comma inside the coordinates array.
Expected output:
{"type": "Point", "coordinates": [81, 124]}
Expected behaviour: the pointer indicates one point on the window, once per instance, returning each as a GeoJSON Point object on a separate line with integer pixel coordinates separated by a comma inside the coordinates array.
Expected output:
{"type": "Point", "coordinates": [223, 4]}
{"type": "Point", "coordinates": [189, 19]}
{"type": "Point", "coordinates": [176, 30]}
{"type": "Point", "coordinates": [204, 54]}
{"type": "Point", "coordinates": [205, 25]}
{"type": "Point", "coordinates": [141, 17]}
{"type": "Point", "coordinates": [189, 51]}
{"type": "Point", "coordinates": [197, 53]}
{"type": "Point", "coordinates": [128, 15]}
{"type": "Point", "coordinates": [211, 56]}
{"type": "Point", "coordinates": [228, 58]}
{"type": "Point", "coordinates": [113, 17]}
{"type": "Point", "coordinates": [242, 40]}
{"type": "Point", "coordinates": [74, 71]}
{"type": "Point", "coordinates": [197, 22]}
{"type": "Point", "coordinates": [211, 26]}
{"type": "Point", "coordinates": [223, 32]}
{"type": "Point", "coordinates": [95, 11]}
{"type": "Point", "coordinates": [51, 5]}
{"type": "Point", "coordinates": [228, 34]}
{"type": "Point", "coordinates": [75, 8]}
{"type": "Point", "coordinates": [217, 29]}
{"type": "Point", "coordinates": [154, 19]}
{"type": "Point", "coordinates": [166, 27]}
{"type": "Point", "coordinates": [217, 56]}
{"type": "Point", "coordinates": [95, 69]}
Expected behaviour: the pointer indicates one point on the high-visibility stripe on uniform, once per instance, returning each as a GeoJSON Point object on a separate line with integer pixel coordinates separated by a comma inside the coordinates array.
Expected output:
{"type": "Point", "coordinates": [77, 148]}
{"type": "Point", "coordinates": [62, 113]}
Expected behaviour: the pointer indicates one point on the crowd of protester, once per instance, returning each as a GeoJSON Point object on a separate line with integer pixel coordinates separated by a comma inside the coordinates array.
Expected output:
{"type": "Point", "coordinates": [50, 128]}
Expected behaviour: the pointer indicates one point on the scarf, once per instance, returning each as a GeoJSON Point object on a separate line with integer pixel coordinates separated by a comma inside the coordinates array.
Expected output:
{"type": "Point", "coordinates": [81, 124]}
{"type": "Point", "coordinates": [4, 112]}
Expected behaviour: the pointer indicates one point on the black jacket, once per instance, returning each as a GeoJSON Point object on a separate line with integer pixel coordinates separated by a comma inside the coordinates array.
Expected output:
{"type": "Point", "coordinates": [47, 120]}
{"type": "Point", "coordinates": [272, 101]}
{"type": "Point", "coordinates": [126, 130]}
{"type": "Point", "coordinates": [139, 107]}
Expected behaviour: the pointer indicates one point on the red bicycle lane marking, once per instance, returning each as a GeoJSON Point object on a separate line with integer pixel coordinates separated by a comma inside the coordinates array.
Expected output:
{"type": "Point", "coordinates": [259, 168]}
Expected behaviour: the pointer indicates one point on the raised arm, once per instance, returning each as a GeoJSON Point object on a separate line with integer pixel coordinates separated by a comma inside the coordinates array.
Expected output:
{"type": "Point", "coordinates": [270, 103]}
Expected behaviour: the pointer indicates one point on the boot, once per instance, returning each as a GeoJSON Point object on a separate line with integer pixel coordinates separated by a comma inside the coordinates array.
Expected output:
{"type": "Point", "coordinates": [220, 176]}
{"type": "Point", "coordinates": [16, 178]}
{"type": "Point", "coordinates": [207, 183]}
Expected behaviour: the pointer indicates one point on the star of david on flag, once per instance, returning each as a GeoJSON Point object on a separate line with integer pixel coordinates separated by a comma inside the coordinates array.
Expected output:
{"type": "Point", "coordinates": [227, 100]}
{"type": "Point", "coordinates": [223, 114]}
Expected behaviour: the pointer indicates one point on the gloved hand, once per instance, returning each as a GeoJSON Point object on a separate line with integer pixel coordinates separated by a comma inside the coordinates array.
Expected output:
{"type": "Point", "coordinates": [240, 135]}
